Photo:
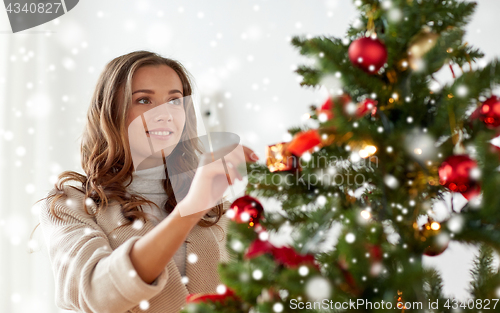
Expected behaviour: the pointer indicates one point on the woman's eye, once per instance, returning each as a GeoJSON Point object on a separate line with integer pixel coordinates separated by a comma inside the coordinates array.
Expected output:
{"type": "Point", "coordinates": [177, 101]}
{"type": "Point", "coordinates": [143, 99]}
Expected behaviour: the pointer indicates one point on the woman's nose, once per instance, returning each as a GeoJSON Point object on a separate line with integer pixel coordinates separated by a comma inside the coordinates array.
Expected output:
{"type": "Point", "coordinates": [162, 113]}
{"type": "Point", "coordinates": [163, 117]}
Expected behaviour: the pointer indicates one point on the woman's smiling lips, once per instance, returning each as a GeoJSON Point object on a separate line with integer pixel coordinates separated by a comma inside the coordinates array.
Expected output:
{"type": "Point", "coordinates": [160, 133]}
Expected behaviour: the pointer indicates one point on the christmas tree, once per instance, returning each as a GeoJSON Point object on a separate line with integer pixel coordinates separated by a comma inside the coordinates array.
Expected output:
{"type": "Point", "coordinates": [372, 161]}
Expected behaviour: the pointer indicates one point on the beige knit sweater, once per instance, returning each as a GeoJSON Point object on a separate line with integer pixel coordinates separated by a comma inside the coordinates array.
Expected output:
{"type": "Point", "coordinates": [93, 271]}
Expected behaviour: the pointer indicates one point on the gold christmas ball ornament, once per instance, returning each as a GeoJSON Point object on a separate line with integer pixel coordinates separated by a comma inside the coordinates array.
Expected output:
{"type": "Point", "coordinates": [422, 43]}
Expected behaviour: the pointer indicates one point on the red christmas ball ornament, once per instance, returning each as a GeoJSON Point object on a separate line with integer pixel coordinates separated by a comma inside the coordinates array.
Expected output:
{"type": "Point", "coordinates": [247, 210]}
{"type": "Point", "coordinates": [435, 249]}
{"type": "Point", "coordinates": [368, 53]}
{"type": "Point", "coordinates": [489, 112]}
{"type": "Point", "coordinates": [458, 173]}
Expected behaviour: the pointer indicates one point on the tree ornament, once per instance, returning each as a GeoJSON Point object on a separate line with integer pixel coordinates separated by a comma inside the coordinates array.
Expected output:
{"type": "Point", "coordinates": [368, 53]}
{"type": "Point", "coordinates": [419, 45]}
{"type": "Point", "coordinates": [247, 210]}
{"type": "Point", "coordinates": [326, 108]}
{"type": "Point", "coordinates": [435, 241]}
{"type": "Point", "coordinates": [435, 248]}
{"type": "Point", "coordinates": [348, 284]}
{"type": "Point", "coordinates": [489, 112]}
{"type": "Point", "coordinates": [279, 159]}
{"type": "Point", "coordinates": [283, 255]}
{"type": "Point", "coordinates": [304, 141]}
{"type": "Point", "coordinates": [458, 173]}
{"type": "Point", "coordinates": [228, 295]}
{"type": "Point", "coordinates": [368, 105]}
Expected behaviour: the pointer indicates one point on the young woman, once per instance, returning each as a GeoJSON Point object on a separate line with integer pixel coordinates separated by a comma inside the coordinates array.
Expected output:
{"type": "Point", "coordinates": [118, 240]}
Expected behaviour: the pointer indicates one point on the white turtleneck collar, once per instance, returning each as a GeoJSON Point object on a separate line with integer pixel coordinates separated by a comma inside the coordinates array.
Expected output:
{"type": "Point", "coordinates": [148, 181]}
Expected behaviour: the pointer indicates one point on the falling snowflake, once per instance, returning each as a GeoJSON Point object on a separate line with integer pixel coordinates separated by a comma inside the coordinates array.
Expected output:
{"type": "Point", "coordinates": [278, 307]}
{"type": "Point", "coordinates": [138, 224]}
{"type": "Point", "coordinates": [303, 270]}
{"type": "Point", "coordinates": [192, 258]}
{"type": "Point", "coordinates": [144, 305]}
{"type": "Point", "coordinates": [350, 237]}
{"type": "Point", "coordinates": [391, 181]}
{"type": "Point", "coordinates": [257, 274]}
{"type": "Point", "coordinates": [318, 288]}
{"type": "Point", "coordinates": [221, 289]}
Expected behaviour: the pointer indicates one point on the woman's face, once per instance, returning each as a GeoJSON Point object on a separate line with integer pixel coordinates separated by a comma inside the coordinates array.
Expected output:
{"type": "Point", "coordinates": [156, 116]}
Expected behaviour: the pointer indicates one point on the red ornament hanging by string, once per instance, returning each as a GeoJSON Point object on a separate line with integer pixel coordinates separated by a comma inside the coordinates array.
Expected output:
{"type": "Point", "coordinates": [459, 173]}
{"type": "Point", "coordinates": [489, 112]}
{"type": "Point", "coordinates": [368, 53]}
{"type": "Point", "coordinates": [247, 210]}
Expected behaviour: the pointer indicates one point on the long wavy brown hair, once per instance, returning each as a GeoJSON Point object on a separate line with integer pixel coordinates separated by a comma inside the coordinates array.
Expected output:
{"type": "Point", "coordinates": [105, 152]}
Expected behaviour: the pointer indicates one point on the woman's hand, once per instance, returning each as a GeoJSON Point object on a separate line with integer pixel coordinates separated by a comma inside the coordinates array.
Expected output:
{"type": "Point", "coordinates": [211, 180]}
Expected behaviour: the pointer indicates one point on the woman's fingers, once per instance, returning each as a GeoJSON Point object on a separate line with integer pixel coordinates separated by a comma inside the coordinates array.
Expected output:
{"type": "Point", "coordinates": [250, 156]}
{"type": "Point", "coordinates": [233, 169]}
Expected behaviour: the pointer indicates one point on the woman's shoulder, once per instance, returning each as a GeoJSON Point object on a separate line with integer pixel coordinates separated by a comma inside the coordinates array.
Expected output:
{"type": "Point", "coordinates": [226, 205]}
{"type": "Point", "coordinates": [69, 200]}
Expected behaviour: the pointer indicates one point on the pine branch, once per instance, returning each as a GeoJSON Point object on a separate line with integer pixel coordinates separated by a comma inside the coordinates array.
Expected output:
{"type": "Point", "coordinates": [434, 290]}
{"type": "Point", "coordinates": [485, 277]}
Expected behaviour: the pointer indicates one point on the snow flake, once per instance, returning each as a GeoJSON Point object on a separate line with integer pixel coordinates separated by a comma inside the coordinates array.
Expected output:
{"type": "Point", "coordinates": [278, 307]}
{"type": "Point", "coordinates": [321, 200]}
{"type": "Point", "coordinates": [221, 289]}
{"type": "Point", "coordinates": [257, 274]}
{"type": "Point", "coordinates": [350, 237]}
{"type": "Point", "coordinates": [138, 224]}
{"type": "Point", "coordinates": [184, 280]}
{"type": "Point", "coordinates": [144, 304]}
{"type": "Point", "coordinates": [462, 91]}
{"type": "Point", "coordinates": [236, 245]}
{"type": "Point", "coordinates": [263, 235]}
{"type": "Point", "coordinates": [306, 157]}
{"type": "Point", "coordinates": [391, 181]}
{"type": "Point", "coordinates": [318, 288]}
{"type": "Point", "coordinates": [245, 217]}
{"type": "Point", "coordinates": [89, 202]}
{"type": "Point", "coordinates": [192, 258]}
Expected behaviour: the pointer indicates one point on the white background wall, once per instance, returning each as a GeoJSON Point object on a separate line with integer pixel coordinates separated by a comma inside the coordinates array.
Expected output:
{"type": "Point", "coordinates": [238, 53]}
